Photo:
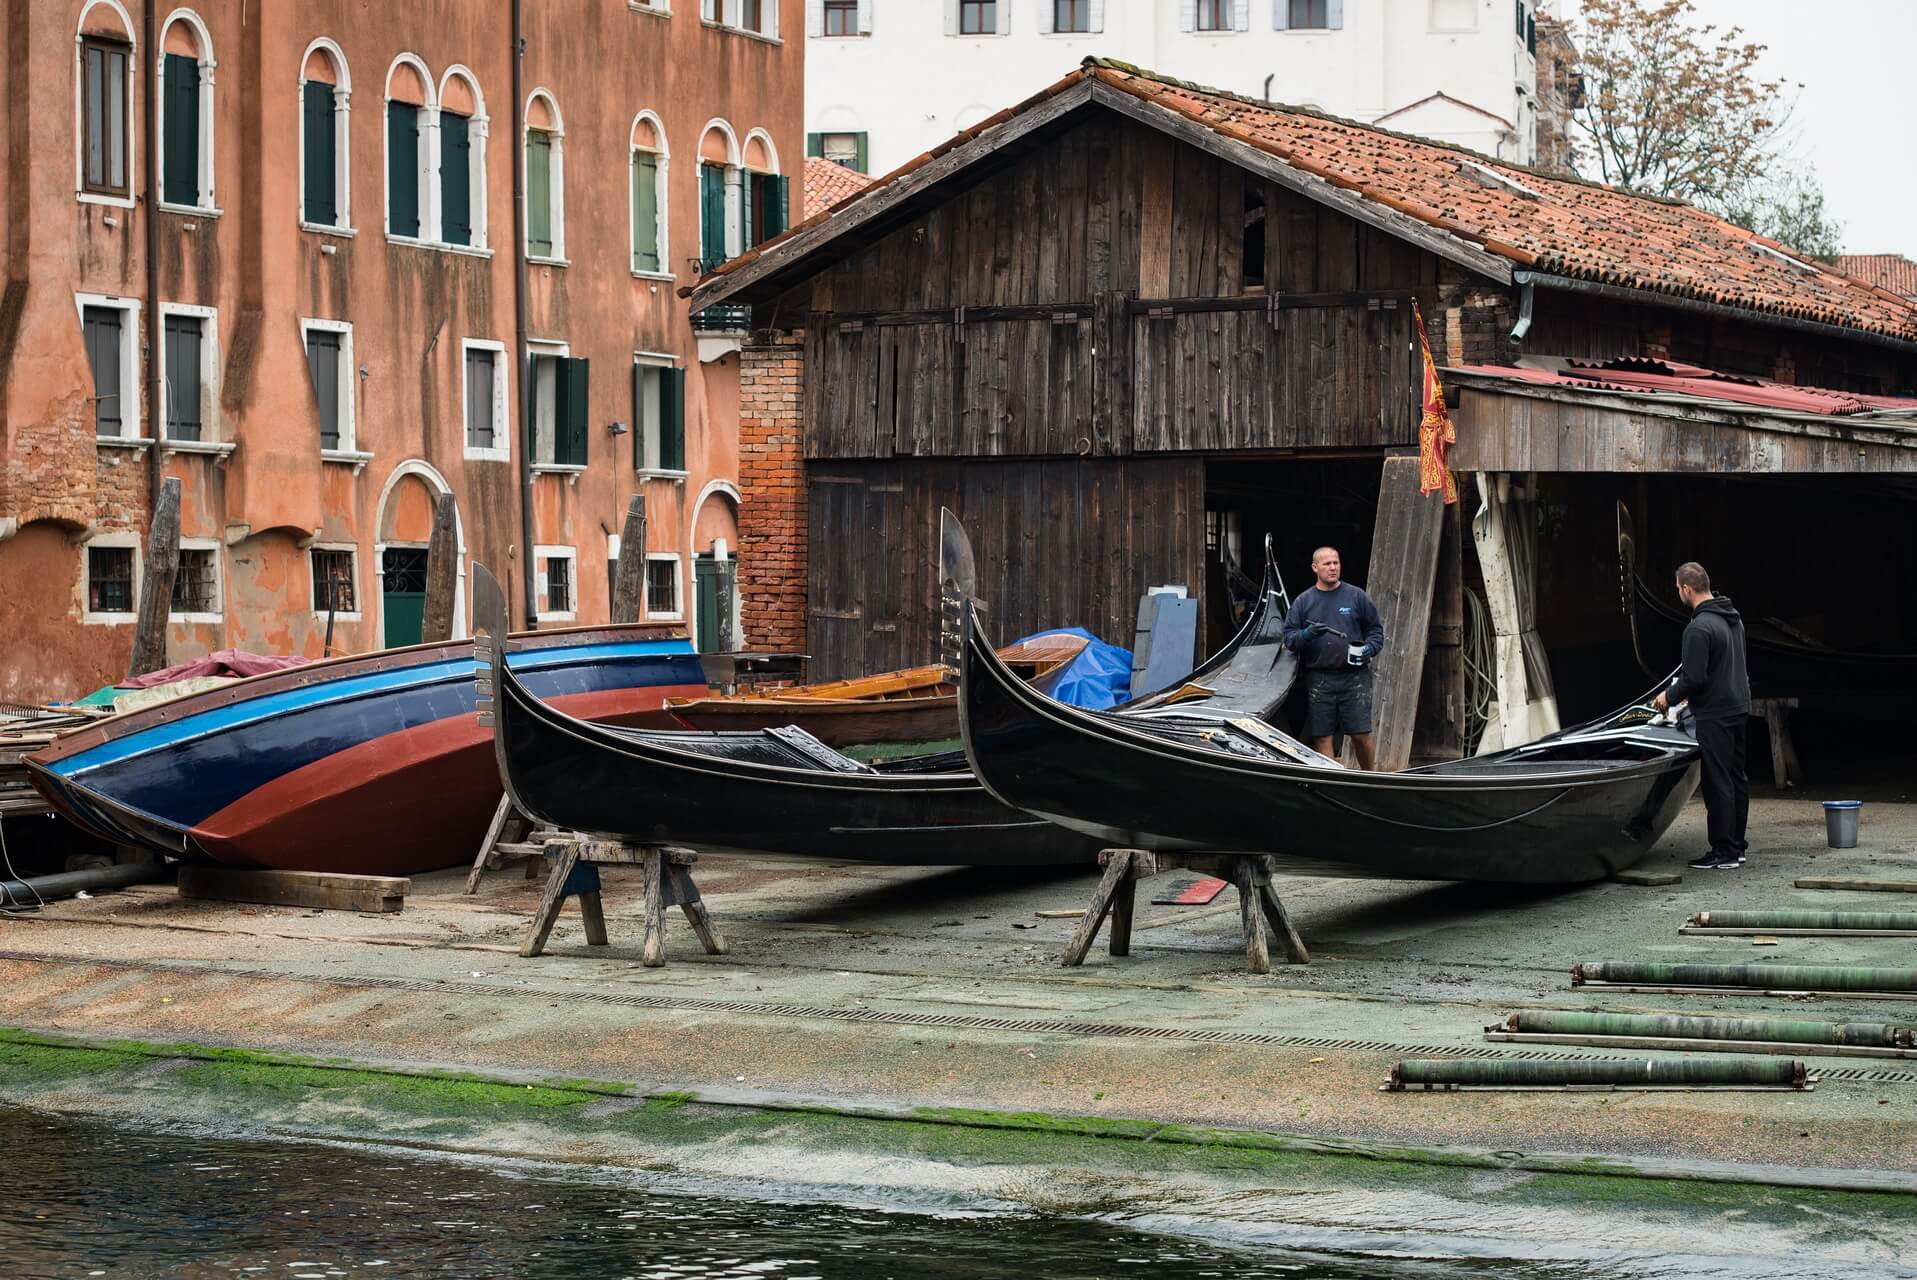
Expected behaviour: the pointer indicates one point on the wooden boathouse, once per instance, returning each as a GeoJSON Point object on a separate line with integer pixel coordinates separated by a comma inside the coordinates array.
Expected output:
{"type": "Point", "coordinates": [1130, 327]}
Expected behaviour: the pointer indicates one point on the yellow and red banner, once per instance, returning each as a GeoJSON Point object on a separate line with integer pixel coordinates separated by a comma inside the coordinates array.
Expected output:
{"type": "Point", "coordinates": [1436, 432]}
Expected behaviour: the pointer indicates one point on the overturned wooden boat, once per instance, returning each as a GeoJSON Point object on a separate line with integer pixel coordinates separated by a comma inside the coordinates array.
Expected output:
{"type": "Point", "coordinates": [919, 704]}
{"type": "Point", "coordinates": [1576, 806]}
{"type": "Point", "coordinates": [369, 764]}
{"type": "Point", "coordinates": [777, 790]}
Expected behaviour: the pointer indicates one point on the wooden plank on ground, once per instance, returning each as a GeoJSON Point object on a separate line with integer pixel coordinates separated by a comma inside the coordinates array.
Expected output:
{"type": "Point", "coordinates": [329, 891]}
{"type": "Point", "coordinates": [1867, 886]}
{"type": "Point", "coordinates": [1404, 562]}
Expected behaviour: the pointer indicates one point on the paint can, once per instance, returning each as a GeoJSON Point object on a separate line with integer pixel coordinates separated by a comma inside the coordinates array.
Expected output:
{"type": "Point", "coordinates": [1840, 822]}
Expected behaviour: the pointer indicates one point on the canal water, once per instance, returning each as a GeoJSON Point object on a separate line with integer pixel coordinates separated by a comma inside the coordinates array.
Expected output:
{"type": "Point", "coordinates": [85, 1199]}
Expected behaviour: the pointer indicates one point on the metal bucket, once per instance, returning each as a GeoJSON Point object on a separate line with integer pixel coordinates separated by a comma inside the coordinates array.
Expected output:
{"type": "Point", "coordinates": [1840, 822]}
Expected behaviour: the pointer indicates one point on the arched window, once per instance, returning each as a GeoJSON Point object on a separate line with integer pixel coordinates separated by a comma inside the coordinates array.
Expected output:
{"type": "Point", "coordinates": [103, 54]}
{"type": "Point", "coordinates": [545, 179]}
{"type": "Point", "coordinates": [410, 112]}
{"type": "Point", "coordinates": [649, 204]}
{"type": "Point", "coordinates": [462, 160]}
{"type": "Point", "coordinates": [719, 200]}
{"type": "Point", "coordinates": [765, 197]}
{"type": "Point", "coordinates": [185, 68]}
{"type": "Point", "coordinates": [326, 91]}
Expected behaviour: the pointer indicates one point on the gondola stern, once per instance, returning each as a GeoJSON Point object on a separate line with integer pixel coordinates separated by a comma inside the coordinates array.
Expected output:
{"type": "Point", "coordinates": [499, 694]}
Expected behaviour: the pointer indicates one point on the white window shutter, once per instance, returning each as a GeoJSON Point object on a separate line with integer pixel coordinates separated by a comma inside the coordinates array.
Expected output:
{"type": "Point", "coordinates": [1335, 14]}
{"type": "Point", "coordinates": [1281, 15]}
{"type": "Point", "coordinates": [815, 17]}
{"type": "Point", "coordinates": [1098, 15]}
{"type": "Point", "coordinates": [865, 17]}
{"type": "Point", "coordinates": [951, 17]}
{"type": "Point", "coordinates": [1187, 15]}
{"type": "Point", "coordinates": [1002, 18]}
{"type": "Point", "coordinates": [1047, 17]}
{"type": "Point", "coordinates": [1241, 15]}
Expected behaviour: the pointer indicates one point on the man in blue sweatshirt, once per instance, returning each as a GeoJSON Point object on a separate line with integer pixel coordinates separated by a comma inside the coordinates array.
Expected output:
{"type": "Point", "coordinates": [1714, 682]}
{"type": "Point", "coordinates": [1336, 632]}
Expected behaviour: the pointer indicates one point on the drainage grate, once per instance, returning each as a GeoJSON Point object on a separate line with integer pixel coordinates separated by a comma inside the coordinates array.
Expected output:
{"type": "Point", "coordinates": [905, 1018]}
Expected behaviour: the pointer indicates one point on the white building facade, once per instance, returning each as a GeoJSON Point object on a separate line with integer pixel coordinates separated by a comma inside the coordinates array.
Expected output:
{"type": "Point", "coordinates": [889, 79]}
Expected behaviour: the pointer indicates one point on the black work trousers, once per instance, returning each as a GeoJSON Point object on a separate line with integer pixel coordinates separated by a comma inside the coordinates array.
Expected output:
{"type": "Point", "coordinates": [1727, 788]}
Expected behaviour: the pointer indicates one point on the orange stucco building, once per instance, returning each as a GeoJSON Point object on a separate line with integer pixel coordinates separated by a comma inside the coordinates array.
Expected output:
{"type": "Point", "coordinates": [341, 315]}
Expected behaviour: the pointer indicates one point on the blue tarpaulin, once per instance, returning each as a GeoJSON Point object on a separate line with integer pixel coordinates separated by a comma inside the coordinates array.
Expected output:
{"type": "Point", "coordinates": [1099, 677]}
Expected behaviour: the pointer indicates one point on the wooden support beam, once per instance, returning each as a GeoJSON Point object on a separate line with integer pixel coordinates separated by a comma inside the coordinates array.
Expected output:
{"type": "Point", "coordinates": [442, 573]}
{"type": "Point", "coordinates": [629, 581]}
{"type": "Point", "coordinates": [326, 890]}
{"type": "Point", "coordinates": [1438, 733]}
{"type": "Point", "coordinates": [161, 567]}
{"type": "Point", "coordinates": [1404, 562]}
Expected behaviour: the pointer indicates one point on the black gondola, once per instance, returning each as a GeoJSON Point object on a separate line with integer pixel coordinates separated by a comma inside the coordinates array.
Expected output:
{"type": "Point", "coordinates": [1576, 806]}
{"type": "Point", "coordinates": [1779, 662]}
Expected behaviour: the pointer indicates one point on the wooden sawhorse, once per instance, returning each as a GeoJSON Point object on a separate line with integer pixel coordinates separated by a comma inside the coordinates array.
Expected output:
{"type": "Point", "coordinates": [668, 882]}
{"type": "Point", "coordinates": [1257, 901]}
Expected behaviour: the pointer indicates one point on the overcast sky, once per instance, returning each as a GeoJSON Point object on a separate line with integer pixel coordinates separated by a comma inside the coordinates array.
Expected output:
{"type": "Point", "coordinates": [1853, 119]}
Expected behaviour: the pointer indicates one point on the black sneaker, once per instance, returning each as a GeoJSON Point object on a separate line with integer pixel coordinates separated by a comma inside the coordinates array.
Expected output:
{"type": "Point", "coordinates": [1713, 862]}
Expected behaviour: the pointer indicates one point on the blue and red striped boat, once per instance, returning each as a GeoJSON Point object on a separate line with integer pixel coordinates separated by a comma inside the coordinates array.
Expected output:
{"type": "Point", "coordinates": [373, 764]}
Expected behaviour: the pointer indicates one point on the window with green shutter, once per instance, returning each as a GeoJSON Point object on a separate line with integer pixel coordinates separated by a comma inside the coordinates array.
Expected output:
{"type": "Point", "coordinates": [320, 195]}
{"type": "Point", "coordinates": [646, 252]}
{"type": "Point", "coordinates": [104, 334]}
{"type": "Point", "coordinates": [455, 179]}
{"type": "Point", "coordinates": [778, 206]}
{"type": "Point", "coordinates": [402, 169]}
{"type": "Point", "coordinates": [712, 214]}
{"type": "Point", "coordinates": [180, 141]}
{"type": "Point", "coordinates": [181, 364]}
{"type": "Point", "coordinates": [672, 419]}
{"type": "Point", "coordinates": [539, 193]}
{"type": "Point", "coordinates": [570, 407]}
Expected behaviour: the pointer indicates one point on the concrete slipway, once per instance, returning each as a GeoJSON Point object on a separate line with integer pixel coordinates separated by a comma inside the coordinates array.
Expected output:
{"type": "Point", "coordinates": [910, 1032]}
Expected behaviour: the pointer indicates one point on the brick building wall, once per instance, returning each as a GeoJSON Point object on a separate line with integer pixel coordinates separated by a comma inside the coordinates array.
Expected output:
{"type": "Point", "coordinates": [772, 502]}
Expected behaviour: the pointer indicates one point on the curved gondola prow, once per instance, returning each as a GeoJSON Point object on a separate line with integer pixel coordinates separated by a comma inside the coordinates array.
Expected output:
{"type": "Point", "coordinates": [1262, 621]}
{"type": "Point", "coordinates": [1628, 585]}
{"type": "Point", "coordinates": [493, 681]}
{"type": "Point", "coordinates": [978, 666]}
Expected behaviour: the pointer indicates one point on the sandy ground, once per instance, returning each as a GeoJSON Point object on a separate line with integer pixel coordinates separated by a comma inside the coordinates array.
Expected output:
{"type": "Point", "coordinates": [860, 985]}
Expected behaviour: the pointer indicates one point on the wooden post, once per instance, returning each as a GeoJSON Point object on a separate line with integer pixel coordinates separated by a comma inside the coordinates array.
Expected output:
{"type": "Point", "coordinates": [442, 573]}
{"type": "Point", "coordinates": [1118, 869]}
{"type": "Point", "coordinates": [1251, 916]}
{"type": "Point", "coordinates": [1438, 732]}
{"type": "Point", "coordinates": [629, 582]}
{"type": "Point", "coordinates": [653, 871]}
{"type": "Point", "coordinates": [722, 643]}
{"type": "Point", "coordinates": [1404, 561]}
{"type": "Point", "coordinates": [553, 899]}
{"type": "Point", "coordinates": [156, 581]}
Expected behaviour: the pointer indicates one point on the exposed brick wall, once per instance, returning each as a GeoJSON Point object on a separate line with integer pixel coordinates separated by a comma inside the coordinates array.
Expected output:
{"type": "Point", "coordinates": [772, 505]}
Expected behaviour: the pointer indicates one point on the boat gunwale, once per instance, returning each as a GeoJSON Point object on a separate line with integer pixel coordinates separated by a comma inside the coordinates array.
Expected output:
{"type": "Point", "coordinates": [246, 688]}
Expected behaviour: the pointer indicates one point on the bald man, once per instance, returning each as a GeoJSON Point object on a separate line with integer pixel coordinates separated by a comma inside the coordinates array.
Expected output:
{"type": "Point", "coordinates": [1336, 632]}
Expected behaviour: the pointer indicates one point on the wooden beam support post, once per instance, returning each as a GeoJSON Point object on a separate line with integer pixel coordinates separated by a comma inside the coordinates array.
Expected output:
{"type": "Point", "coordinates": [442, 573]}
{"type": "Point", "coordinates": [1404, 562]}
{"type": "Point", "coordinates": [629, 581]}
{"type": "Point", "coordinates": [162, 566]}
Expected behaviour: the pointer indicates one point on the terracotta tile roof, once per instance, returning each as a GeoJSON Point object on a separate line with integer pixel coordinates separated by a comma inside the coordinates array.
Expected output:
{"type": "Point", "coordinates": [1892, 271]}
{"type": "Point", "coordinates": [827, 182]}
{"type": "Point", "coordinates": [1671, 377]}
{"type": "Point", "coordinates": [1552, 225]}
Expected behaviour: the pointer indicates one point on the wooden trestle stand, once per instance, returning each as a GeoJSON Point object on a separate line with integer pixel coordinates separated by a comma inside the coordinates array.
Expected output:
{"type": "Point", "coordinates": [1117, 893]}
{"type": "Point", "coordinates": [668, 882]}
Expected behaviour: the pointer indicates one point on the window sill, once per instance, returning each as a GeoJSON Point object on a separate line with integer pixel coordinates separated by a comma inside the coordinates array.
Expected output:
{"type": "Point", "coordinates": [1070, 35]}
{"type": "Point", "coordinates": [109, 619]}
{"type": "Point", "coordinates": [655, 10]}
{"type": "Point", "coordinates": [355, 458]}
{"type": "Point", "coordinates": [95, 197]}
{"type": "Point", "coordinates": [191, 210]}
{"type": "Point", "coordinates": [665, 276]}
{"type": "Point", "coordinates": [123, 442]}
{"type": "Point", "coordinates": [744, 31]}
{"type": "Point", "coordinates": [185, 619]}
{"type": "Point", "coordinates": [488, 455]}
{"type": "Point", "coordinates": [665, 617]}
{"type": "Point", "coordinates": [321, 228]}
{"type": "Point", "coordinates": [220, 450]}
{"type": "Point", "coordinates": [465, 250]}
{"type": "Point", "coordinates": [544, 260]}
{"type": "Point", "coordinates": [558, 617]}
{"type": "Point", "coordinates": [340, 616]}
{"type": "Point", "coordinates": [570, 470]}
{"type": "Point", "coordinates": [661, 473]}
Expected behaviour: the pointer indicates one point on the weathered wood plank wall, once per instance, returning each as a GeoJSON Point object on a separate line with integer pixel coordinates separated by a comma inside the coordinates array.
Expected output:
{"type": "Point", "coordinates": [1059, 542]}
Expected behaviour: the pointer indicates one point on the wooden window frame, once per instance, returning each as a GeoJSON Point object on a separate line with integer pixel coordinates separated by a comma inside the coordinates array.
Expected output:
{"type": "Point", "coordinates": [132, 389]}
{"type": "Point", "coordinates": [210, 433]}
{"type": "Point", "coordinates": [501, 450]}
{"type": "Point", "coordinates": [204, 123]}
{"type": "Point", "coordinates": [678, 613]}
{"type": "Point", "coordinates": [342, 87]}
{"type": "Point", "coordinates": [217, 614]}
{"type": "Point", "coordinates": [347, 450]}
{"type": "Point", "coordinates": [104, 192]}
{"type": "Point", "coordinates": [662, 160]}
{"type": "Point", "coordinates": [116, 541]}
{"type": "Point", "coordinates": [351, 551]}
{"type": "Point", "coordinates": [1223, 16]}
{"type": "Point", "coordinates": [845, 9]}
{"type": "Point", "coordinates": [1080, 10]}
{"type": "Point", "coordinates": [975, 10]}
{"type": "Point", "coordinates": [543, 556]}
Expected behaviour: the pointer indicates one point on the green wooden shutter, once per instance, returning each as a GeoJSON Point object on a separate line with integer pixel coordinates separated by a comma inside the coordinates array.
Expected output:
{"type": "Point", "coordinates": [638, 416]}
{"type": "Point", "coordinates": [778, 206]}
{"type": "Point", "coordinates": [572, 393]}
{"type": "Point", "coordinates": [712, 215]}
{"type": "Point", "coordinates": [815, 144]}
{"type": "Point", "coordinates": [672, 419]}
{"type": "Point", "coordinates": [180, 147]}
{"type": "Point", "coordinates": [645, 211]}
{"type": "Point", "coordinates": [861, 161]}
{"type": "Point", "coordinates": [539, 193]}
{"type": "Point", "coordinates": [317, 121]}
{"type": "Point", "coordinates": [402, 168]}
{"type": "Point", "coordinates": [749, 189]}
{"type": "Point", "coordinates": [455, 179]}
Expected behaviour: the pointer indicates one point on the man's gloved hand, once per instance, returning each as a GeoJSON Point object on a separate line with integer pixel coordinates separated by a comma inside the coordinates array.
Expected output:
{"type": "Point", "coordinates": [1315, 629]}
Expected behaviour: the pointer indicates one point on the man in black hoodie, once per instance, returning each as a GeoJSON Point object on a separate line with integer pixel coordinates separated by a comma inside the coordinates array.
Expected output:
{"type": "Point", "coordinates": [1714, 682]}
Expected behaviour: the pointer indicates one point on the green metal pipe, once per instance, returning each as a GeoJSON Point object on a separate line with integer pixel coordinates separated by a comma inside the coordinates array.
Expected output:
{"type": "Point", "coordinates": [1775, 918]}
{"type": "Point", "coordinates": [1677, 1027]}
{"type": "Point", "coordinates": [1627, 1072]}
{"type": "Point", "coordinates": [1766, 977]}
